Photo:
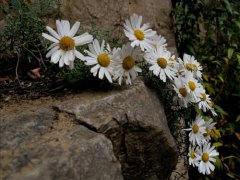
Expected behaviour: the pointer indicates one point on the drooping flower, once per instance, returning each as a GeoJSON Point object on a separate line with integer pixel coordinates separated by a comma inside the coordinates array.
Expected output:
{"type": "Point", "coordinates": [63, 50]}
{"type": "Point", "coordinates": [139, 35]}
{"type": "Point", "coordinates": [193, 156]}
{"type": "Point", "coordinates": [160, 64]}
{"type": "Point", "coordinates": [209, 125]}
{"type": "Point", "coordinates": [179, 67]}
{"type": "Point", "coordinates": [192, 85]}
{"type": "Point", "coordinates": [158, 42]}
{"type": "Point", "coordinates": [191, 64]}
{"type": "Point", "coordinates": [183, 95]}
{"type": "Point", "coordinates": [126, 65]}
{"type": "Point", "coordinates": [100, 58]}
{"type": "Point", "coordinates": [197, 129]}
{"type": "Point", "coordinates": [207, 156]}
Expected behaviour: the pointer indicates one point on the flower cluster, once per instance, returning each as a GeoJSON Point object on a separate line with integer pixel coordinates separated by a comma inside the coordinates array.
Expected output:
{"type": "Point", "coordinates": [201, 153]}
{"type": "Point", "coordinates": [122, 64]}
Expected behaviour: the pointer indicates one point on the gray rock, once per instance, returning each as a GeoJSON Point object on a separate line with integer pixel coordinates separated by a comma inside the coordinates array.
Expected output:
{"type": "Point", "coordinates": [110, 15]}
{"type": "Point", "coordinates": [44, 147]}
{"type": "Point", "coordinates": [134, 120]}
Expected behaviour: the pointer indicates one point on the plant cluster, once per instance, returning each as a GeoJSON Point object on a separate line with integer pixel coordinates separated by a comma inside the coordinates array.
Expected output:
{"type": "Point", "coordinates": [20, 39]}
{"type": "Point", "coordinates": [209, 29]}
{"type": "Point", "coordinates": [124, 64]}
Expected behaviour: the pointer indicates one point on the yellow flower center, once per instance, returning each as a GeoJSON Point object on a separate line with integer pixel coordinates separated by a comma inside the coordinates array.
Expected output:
{"type": "Point", "coordinates": [155, 46]}
{"type": "Point", "coordinates": [195, 67]}
{"type": "Point", "coordinates": [183, 91]}
{"type": "Point", "coordinates": [139, 34]}
{"type": "Point", "coordinates": [66, 43]}
{"type": "Point", "coordinates": [188, 66]}
{"type": "Point", "coordinates": [171, 59]}
{"type": "Point", "coordinates": [192, 85]}
{"type": "Point", "coordinates": [192, 154]}
{"type": "Point", "coordinates": [204, 97]}
{"type": "Point", "coordinates": [103, 60]}
{"type": "Point", "coordinates": [128, 63]}
{"type": "Point", "coordinates": [162, 62]}
{"type": "Point", "coordinates": [195, 128]}
{"type": "Point", "coordinates": [205, 157]}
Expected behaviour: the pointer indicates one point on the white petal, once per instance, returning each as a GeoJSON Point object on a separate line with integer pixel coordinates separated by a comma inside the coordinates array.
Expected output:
{"type": "Point", "coordinates": [94, 69]}
{"type": "Point", "coordinates": [74, 29]}
{"type": "Point", "coordinates": [61, 61]}
{"type": "Point", "coordinates": [66, 58]}
{"type": "Point", "coordinates": [65, 26]}
{"type": "Point", "coordinates": [52, 45]}
{"type": "Point", "coordinates": [71, 55]}
{"type": "Point", "coordinates": [108, 76]}
{"type": "Point", "coordinates": [52, 32]}
{"type": "Point", "coordinates": [79, 55]}
{"type": "Point", "coordinates": [81, 40]}
{"type": "Point", "coordinates": [59, 28]}
{"type": "Point", "coordinates": [55, 56]}
{"type": "Point", "coordinates": [50, 38]}
{"type": "Point", "coordinates": [101, 73]}
{"type": "Point", "coordinates": [52, 51]}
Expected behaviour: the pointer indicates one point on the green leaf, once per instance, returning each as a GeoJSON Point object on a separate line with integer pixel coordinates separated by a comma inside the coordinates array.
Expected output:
{"type": "Point", "coordinates": [238, 118]}
{"type": "Point", "coordinates": [220, 77]}
{"type": "Point", "coordinates": [230, 53]}
{"type": "Point", "coordinates": [220, 110]}
{"type": "Point", "coordinates": [218, 163]}
{"type": "Point", "coordinates": [217, 144]}
{"type": "Point", "coordinates": [237, 24]}
{"type": "Point", "coordinates": [231, 175]}
{"type": "Point", "coordinates": [228, 6]}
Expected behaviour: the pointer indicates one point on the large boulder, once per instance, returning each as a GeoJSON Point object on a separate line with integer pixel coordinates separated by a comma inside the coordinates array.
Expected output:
{"type": "Point", "coordinates": [119, 134]}
{"type": "Point", "coordinates": [39, 144]}
{"type": "Point", "coordinates": [134, 120]}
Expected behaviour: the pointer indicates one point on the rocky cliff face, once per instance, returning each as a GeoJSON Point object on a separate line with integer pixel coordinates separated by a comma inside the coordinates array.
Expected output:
{"type": "Point", "coordinates": [122, 134]}
{"type": "Point", "coordinates": [111, 14]}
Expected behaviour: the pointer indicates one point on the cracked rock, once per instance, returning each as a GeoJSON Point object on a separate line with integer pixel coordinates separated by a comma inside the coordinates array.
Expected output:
{"type": "Point", "coordinates": [36, 144]}
{"type": "Point", "coordinates": [134, 120]}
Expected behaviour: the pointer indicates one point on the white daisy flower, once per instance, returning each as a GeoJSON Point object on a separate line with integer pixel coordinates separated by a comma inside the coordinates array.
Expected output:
{"type": "Point", "coordinates": [204, 100]}
{"type": "Point", "coordinates": [184, 96]}
{"type": "Point", "coordinates": [179, 66]}
{"type": "Point", "coordinates": [137, 34]}
{"type": "Point", "coordinates": [197, 129]}
{"type": "Point", "coordinates": [158, 42]}
{"type": "Point", "coordinates": [209, 125]}
{"type": "Point", "coordinates": [125, 66]}
{"type": "Point", "coordinates": [192, 85]}
{"type": "Point", "coordinates": [63, 50]}
{"type": "Point", "coordinates": [100, 59]}
{"type": "Point", "coordinates": [193, 156]}
{"type": "Point", "coordinates": [207, 158]}
{"type": "Point", "coordinates": [160, 64]}
{"type": "Point", "coordinates": [191, 64]}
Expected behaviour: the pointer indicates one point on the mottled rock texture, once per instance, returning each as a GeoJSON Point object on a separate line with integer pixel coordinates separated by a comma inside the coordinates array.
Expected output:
{"type": "Point", "coordinates": [111, 15]}
{"type": "Point", "coordinates": [41, 145]}
{"type": "Point", "coordinates": [120, 134]}
{"type": "Point", "coordinates": [134, 120]}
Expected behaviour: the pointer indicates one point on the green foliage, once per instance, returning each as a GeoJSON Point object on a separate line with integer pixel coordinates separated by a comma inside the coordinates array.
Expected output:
{"type": "Point", "coordinates": [21, 39]}
{"type": "Point", "coordinates": [209, 30]}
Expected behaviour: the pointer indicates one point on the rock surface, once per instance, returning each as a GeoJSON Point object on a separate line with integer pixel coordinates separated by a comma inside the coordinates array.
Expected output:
{"type": "Point", "coordinates": [121, 134]}
{"type": "Point", "coordinates": [111, 15]}
{"type": "Point", "coordinates": [134, 120]}
{"type": "Point", "coordinates": [39, 144]}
